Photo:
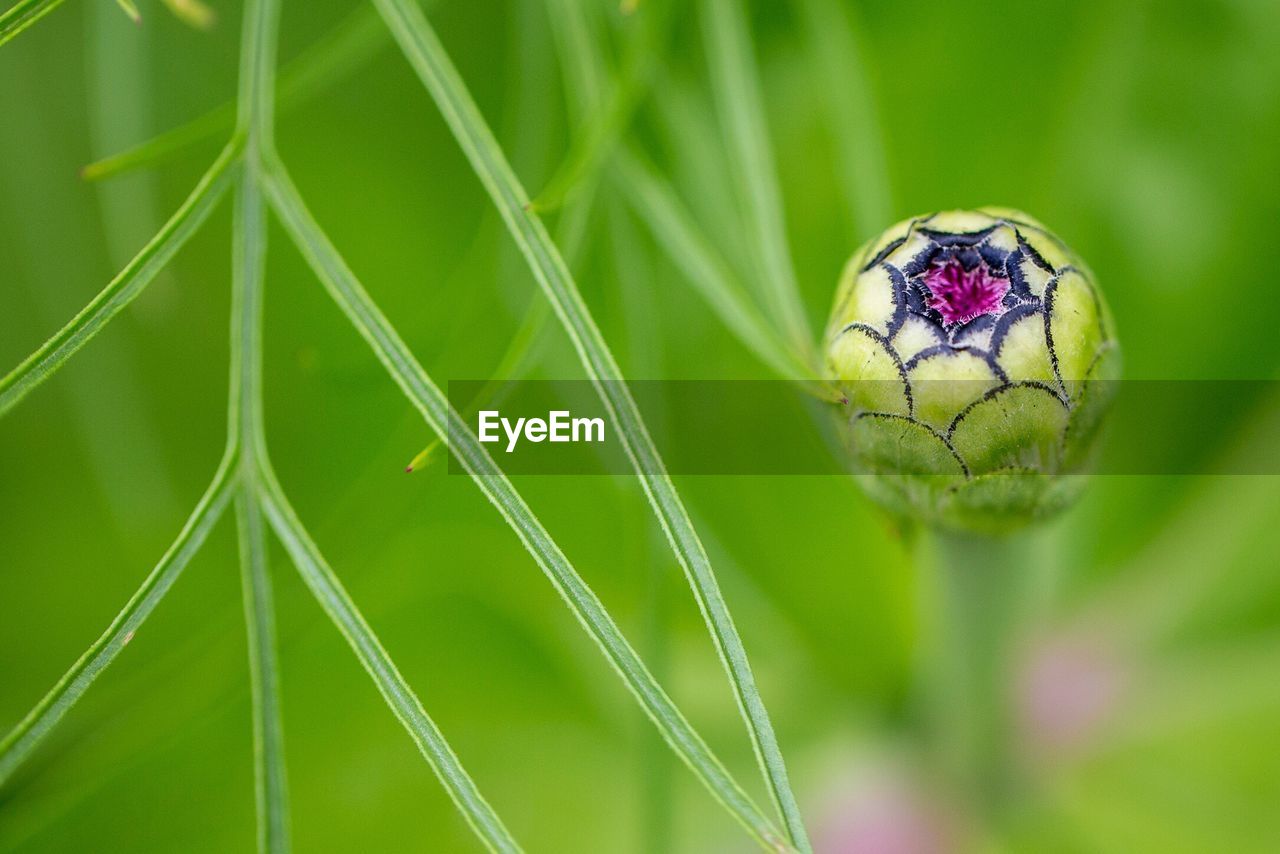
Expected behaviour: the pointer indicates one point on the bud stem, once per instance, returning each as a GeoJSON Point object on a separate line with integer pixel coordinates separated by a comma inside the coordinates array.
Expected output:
{"type": "Point", "coordinates": [972, 587]}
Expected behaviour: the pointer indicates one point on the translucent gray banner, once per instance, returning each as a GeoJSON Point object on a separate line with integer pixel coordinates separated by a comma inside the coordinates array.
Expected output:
{"type": "Point", "coordinates": [754, 427]}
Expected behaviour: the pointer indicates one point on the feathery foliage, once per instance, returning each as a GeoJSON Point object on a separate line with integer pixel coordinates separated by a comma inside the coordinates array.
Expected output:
{"type": "Point", "coordinates": [249, 164]}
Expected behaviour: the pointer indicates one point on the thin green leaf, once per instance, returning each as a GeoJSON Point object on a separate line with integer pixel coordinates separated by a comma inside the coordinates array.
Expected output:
{"type": "Point", "coordinates": [604, 121]}
{"type": "Point", "coordinates": [737, 96]}
{"type": "Point", "coordinates": [510, 369]}
{"type": "Point", "coordinates": [255, 98]}
{"type": "Point", "coordinates": [193, 13]}
{"type": "Point", "coordinates": [128, 7]}
{"type": "Point", "coordinates": [656, 203]}
{"type": "Point", "coordinates": [391, 350]}
{"type": "Point", "coordinates": [345, 49]}
{"type": "Point", "coordinates": [574, 26]}
{"type": "Point", "coordinates": [847, 94]}
{"type": "Point", "coordinates": [29, 732]}
{"type": "Point", "coordinates": [428, 57]}
{"type": "Point", "coordinates": [245, 419]}
{"type": "Point", "coordinates": [634, 274]}
{"type": "Point", "coordinates": [270, 781]}
{"type": "Point", "coordinates": [23, 14]}
{"type": "Point", "coordinates": [244, 407]}
{"type": "Point", "coordinates": [165, 146]}
{"type": "Point", "coordinates": [393, 687]}
{"type": "Point", "coordinates": [126, 285]}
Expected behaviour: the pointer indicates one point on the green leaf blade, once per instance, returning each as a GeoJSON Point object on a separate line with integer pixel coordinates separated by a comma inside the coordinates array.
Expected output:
{"type": "Point", "coordinates": [270, 779]}
{"type": "Point", "coordinates": [391, 350]}
{"type": "Point", "coordinates": [427, 56]}
{"type": "Point", "coordinates": [33, 728]}
{"type": "Point", "coordinates": [655, 202]}
{"type": "Point", "coordinates": [23, 14]}
{"type": "Point", "coordinates": [400, 697]}
{"type": "Point", "coordinates": [736, 88]}
{"type": "Point", "coordinates": [348, 47]}
{"type": "Point", "coordinates": [127, 285]}
{"type": "Point", "coordinates": [848, 96]}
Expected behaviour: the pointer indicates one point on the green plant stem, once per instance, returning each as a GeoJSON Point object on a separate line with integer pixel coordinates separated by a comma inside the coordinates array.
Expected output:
{"type": "Point", "coordinates": [606, 119]}
{"type": "Point", "coordinates": [977, 585]}
{"type": "Point", "coordinates": [245, 420]}
{"type": "Point", "coordinates": [429, 59]}
{"type": "Point", "coordinates": [255, 108]}
{"type": "Point", "coordinates": [395, 356]}
{"type": "Point", "coordinates": [633, 274]}
{"type": "Point", "coordinates": [245, 415]}
{"type": "Point", "coordinates": [126, 286]}
{"type": "Point", "coordinates": [348, 47]}
{"type": "Point", "coordinates": [245, 472]}
{"type": "Point", "coordinates": [270, 779]}
{"type": "Point", "coordinates": [23, 14]}
{"type": "Point", "coordinates": [738, 101]}
{"type": "Point", "coordinates": [29, 732]}
{"type": "Point", "coordinates": [847, 93]}
{"type": "Point", "coordinates": [656, 203]}
{"type": "Point", "coordinates": [375, 660]}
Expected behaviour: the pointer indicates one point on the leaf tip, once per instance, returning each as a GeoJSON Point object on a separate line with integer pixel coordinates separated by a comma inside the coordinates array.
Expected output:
{"type": "Point", "coordinates": [422, 459]}
{"type": "Point", "coordinates": [128, 7]}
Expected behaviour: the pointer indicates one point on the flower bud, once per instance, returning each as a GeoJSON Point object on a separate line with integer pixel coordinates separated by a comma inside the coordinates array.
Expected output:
{"type": "Point", "coordinates": [972, 348]}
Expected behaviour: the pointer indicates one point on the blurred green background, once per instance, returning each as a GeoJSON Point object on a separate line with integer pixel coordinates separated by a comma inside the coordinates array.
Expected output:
{"type": "Point", "coordinates": [1145, 687]}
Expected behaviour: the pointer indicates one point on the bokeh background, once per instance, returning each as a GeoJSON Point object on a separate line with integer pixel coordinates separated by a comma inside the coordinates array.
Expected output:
{"type": "Point", "coordinates": [1144, 690]}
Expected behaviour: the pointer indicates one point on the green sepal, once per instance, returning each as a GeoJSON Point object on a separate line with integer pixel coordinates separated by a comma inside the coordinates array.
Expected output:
{"type": "Point", "coordinates": [891, 444]}
{"type": "Point", "coordinates": [1016, 426]}
{"type": "Point", "coordinates": [1002, 501]}
{"type": "Point", "coordinates": [868, 373]}
{"type": "Point", "coordinates": [1075, 327]}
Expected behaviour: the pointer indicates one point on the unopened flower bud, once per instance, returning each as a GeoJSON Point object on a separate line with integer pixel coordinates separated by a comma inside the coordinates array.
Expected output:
{"type": "Point", "coordinates": [973, 348]}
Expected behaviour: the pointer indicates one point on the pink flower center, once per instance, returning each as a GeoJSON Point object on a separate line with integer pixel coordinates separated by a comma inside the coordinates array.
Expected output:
{"type": "Point", "coordinates": [960, 295]}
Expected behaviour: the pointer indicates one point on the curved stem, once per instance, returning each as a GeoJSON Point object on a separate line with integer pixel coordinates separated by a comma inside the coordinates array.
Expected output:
{"type": "Point", "coordinates": [739, 102]}
{"type": "Point", "coordinates": [29, 732]}
{"type": "Point", "coordinates": [408, 373]}
{"type": "Point", "coordinates": [126, 286]}
{"type": "Point", "coordinates": [350, 45]}
{"type": "Point", "coordinates": [399, 696]}
{"type": "Point", "coordinates": [423, 50]}
{"type": "Point", "coordinates": [656, 203]}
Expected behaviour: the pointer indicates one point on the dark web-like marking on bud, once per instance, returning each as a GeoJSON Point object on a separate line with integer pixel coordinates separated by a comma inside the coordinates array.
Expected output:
{"type": "Point", "coordinates": [982, 336]}
{"type": "Point", "coordinates": [1050, 291]}
{"type": "Point", "coordinates": [897, 360]}
{"type": "Point", "coordinates": [1050, 294]}
{"type": "Point", "coordinates": [1030, 251]}
{"type": "Point", "coordinates": [899, 283]}
{"type": "Point", "coordinates": [947, 349]}
{"type": "Point", "coordinates": [886, 252]}
{"type": "Point", "coordinates": [1018, 279]}
{"type": "Point", "coordinates": [895, 244]}
{"type": "Point", "coordinates": [1006, 322]}
{"type": "Point", "coordinates": [969, 291]}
